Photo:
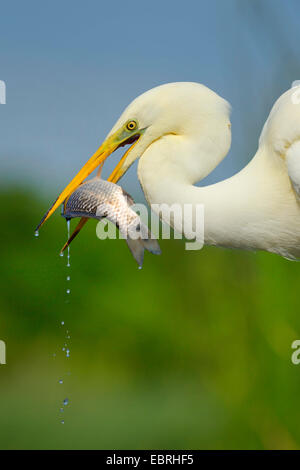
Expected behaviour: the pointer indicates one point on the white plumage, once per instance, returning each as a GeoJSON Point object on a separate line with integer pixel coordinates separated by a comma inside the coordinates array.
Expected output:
{"type": "Point", "coordinates": [180, 132]}
{"type": "Point", "coordinates": [188, 134]}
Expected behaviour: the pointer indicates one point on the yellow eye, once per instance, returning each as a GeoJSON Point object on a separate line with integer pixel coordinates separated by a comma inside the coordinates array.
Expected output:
{"type": "Point", "coordinates": [131, 125]}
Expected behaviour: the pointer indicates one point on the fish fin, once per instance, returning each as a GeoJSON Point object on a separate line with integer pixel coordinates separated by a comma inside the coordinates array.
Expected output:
{"type": "Point", "coordinates": [79, 226]}
{"type": "Point", "coordinates": [100, 170]}
{"type": "Point", "coordinates": [130, 200]}
{"type": "Point", "coordinates": [149, 241]}
{"type": "Point", "coordinates": [151, 244]}
{"type": "Point", "coordinates": [105, 210]}
{"type": "Point", "coordinates": [137, 249]}
{"type": "Point", "coordinates": [145, 242]}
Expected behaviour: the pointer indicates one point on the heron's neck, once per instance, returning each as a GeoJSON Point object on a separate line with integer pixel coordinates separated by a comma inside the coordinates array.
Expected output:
{"type": "Point", "coordinates": [229, 206]}
{"type": "Point", "coordinates": [180, 160]}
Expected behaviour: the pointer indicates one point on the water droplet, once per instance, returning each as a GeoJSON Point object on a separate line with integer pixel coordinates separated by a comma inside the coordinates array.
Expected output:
{"type": "Point", "coordinates": [68, 257]}
{"type": "Point", "coordinates": [140, 267]}
{"type": "Point", "coordinates": [66, 401]}
{"type": "Point", "coordinates": [61, 410]}
{"type": "Point", "coordinates": [61, 381]}
{"type": "Point", "coordinates": [68, 353]}
{"type": "Point", "coordinates": [62, 323]}
{"type": "Point", "coordinates": [61, 254]}
{"type": "Point", "coordinates": [62, 421]}
{"type": "Point", "coordinates": [68, 278]}
{"type": "Point", "coordinates": [68, 291]}
{"type": "Point", "coordinates": [36, 233]}
{"type": "Point", "coordinates": [63, 349]}
{"type": "Point", "coordinates": [54, 355]}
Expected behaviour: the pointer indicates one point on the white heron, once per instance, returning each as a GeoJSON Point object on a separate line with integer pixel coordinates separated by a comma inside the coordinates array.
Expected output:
{"type": "Point", "coordinates": [180, 132]}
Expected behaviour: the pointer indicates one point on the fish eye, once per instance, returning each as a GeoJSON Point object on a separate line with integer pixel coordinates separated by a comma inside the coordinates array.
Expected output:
{"type": "Point", "coordinates": [131, 125]}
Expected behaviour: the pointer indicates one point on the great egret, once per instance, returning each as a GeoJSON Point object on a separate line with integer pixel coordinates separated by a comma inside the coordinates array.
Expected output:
{"type": "Point", "coordinates": [180, 132]}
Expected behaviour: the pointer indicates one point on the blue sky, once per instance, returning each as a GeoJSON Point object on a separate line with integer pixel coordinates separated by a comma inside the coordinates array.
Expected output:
{"type": "Point", "coordinates": [72, 66]}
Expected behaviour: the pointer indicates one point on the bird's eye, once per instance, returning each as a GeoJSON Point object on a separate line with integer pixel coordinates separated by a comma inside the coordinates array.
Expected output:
{"type": "Point", "coordinates": [131, 125]}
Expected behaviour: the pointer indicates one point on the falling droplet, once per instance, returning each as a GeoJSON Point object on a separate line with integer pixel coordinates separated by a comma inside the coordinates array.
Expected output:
{"type": "Point", "coordinates": [140, 267]}
{"type": "Point", "coordinates": [36, 233]}
{"type": "Point", "coordinates": [65, 348]}
{"type": "Point", "coordinates": [68, 257]}
{"type": "Point", "coordinates": [61, 254]}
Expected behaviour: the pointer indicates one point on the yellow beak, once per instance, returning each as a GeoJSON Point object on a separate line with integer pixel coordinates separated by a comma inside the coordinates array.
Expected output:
{"type": "Point", "coordinates": [116, 140]}
{"type": "Point", "coordinates": [117, 173]}
{"type": "Point", "coordinates": [120, 169]}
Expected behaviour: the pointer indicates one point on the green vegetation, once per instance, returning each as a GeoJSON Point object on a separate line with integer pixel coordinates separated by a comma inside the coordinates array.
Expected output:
{"type": "Point", "coordinates": [193, 351]}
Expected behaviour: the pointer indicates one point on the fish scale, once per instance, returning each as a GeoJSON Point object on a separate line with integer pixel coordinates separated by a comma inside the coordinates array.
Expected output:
{"type": "Point", "coordinates": [98, 199]}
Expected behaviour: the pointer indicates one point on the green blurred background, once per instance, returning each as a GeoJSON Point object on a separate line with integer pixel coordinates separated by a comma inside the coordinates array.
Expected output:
{"type": "Point", "coordinates": [194, 350]}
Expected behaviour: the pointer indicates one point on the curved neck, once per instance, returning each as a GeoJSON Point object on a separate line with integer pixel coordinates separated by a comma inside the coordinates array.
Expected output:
{"type": "Point", "coordinates": [230, 206]}
{"type": "Point", "coordinates": [184, 158]}
{"type": "Point", "coordinates": [176, 161]}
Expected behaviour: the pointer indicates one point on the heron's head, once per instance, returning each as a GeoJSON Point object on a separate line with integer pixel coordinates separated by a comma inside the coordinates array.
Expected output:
{"type": "Point", "coordinates": [182, 108]}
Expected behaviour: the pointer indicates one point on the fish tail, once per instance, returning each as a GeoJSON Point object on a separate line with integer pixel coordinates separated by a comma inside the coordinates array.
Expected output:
{"type": "Point", "coordinates": [151, 245]}
{"type": "Point", "coordinates": [137, 250]}
{"type": "Point", "coordinates": [149, 242]}
{"type": "Point", "coordinates": [146, 242]}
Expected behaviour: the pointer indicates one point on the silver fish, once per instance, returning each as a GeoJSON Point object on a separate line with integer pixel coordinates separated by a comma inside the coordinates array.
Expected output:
{"type": "Point", "coordinates": [98, 199]}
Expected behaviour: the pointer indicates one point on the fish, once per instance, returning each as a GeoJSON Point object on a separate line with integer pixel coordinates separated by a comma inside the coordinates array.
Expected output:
{"type": "Point", "coordinates": [100, 199]}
